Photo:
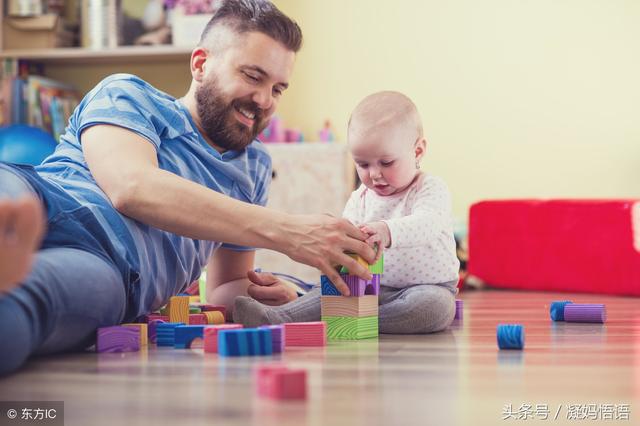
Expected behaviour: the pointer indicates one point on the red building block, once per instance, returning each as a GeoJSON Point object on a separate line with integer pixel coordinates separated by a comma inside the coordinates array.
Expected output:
{"type": "Point", "coordinates": [211, 336]}
{"type": "Point", "coordinates": [281, 383]}
{"type": "Point", "coordinates": [305, 333]}
{"type": "Point", "coordinates": [557, 245]}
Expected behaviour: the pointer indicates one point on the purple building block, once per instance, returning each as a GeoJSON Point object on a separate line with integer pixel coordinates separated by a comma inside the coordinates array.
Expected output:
{"type": "Point", "coordinates": [356, 284]}
{"type": "Point", "coordinates": [459, 306]}
{"type": "Point", "coordinates": [152, 330]}
{"type": "Point", "coordinates": [277, 337]}
{"type": "Point", "coordinates": [118, 339]}
{"type": "Point", "coordinates": [373, 286]}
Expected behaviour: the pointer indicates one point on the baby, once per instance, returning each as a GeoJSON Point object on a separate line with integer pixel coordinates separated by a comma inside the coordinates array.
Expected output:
{"type": "Point", "coordinates": [404, 211]}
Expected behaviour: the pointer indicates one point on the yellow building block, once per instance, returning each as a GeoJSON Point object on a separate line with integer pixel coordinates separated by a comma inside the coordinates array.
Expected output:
{"type": "Point", "coordinates": [179, 309]}
{"type": "Point", "coordinates": [144, 341]}
{"type": "Point", "coordinates": [214, 317]}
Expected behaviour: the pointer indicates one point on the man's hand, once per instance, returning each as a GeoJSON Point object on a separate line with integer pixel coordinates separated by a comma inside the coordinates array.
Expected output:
{"type": "Point", "coordinates": [377, 234]}
{"type": "Point", "coordinates": [322, 240]}
{"type": "Point", "coordinates": [268, 289]}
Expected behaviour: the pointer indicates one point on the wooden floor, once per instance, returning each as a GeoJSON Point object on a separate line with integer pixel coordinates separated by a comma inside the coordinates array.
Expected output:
{"type": "Point", "coordinates": [457, 377]}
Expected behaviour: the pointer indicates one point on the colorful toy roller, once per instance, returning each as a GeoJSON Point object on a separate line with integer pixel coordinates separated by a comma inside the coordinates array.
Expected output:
{"type": "Point", "coordinates": [557, 309]}
{"type": "Point", "coordinates": [577, 312]}
{"type": "Point", "coordinates": [510, 336]}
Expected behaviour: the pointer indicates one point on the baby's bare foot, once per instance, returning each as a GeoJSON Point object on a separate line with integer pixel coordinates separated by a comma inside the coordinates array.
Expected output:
{"type": "Point", "coordinates": [21, 229]}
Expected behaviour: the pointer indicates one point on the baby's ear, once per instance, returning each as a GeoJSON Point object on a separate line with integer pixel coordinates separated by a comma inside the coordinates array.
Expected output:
{"type": "Point", "coordinates": [420, 148]}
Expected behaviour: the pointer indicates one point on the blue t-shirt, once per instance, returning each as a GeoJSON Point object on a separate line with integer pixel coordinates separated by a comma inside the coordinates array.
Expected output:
{"type": "Point", "coordinates": [154, 263]}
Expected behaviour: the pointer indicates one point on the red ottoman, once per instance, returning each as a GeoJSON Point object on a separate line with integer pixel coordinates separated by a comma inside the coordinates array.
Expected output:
{"type": "Point", "coordinates": [557, 245]}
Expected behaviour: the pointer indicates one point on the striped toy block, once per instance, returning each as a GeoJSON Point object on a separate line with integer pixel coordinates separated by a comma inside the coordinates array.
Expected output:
{"type": "Point", "coordinates": [142, 329]}
{"type": "Point", "coordinates": [194, 310]}
{"type": "Point", "coordinates": [347, 328]}
{"type": "Point", "coordinates": [117, 339]}
{"type": "Point", "coordinates": [152, 317]}
{"type": "Point", "coordinates": [305, 333]}
{"type": "Point", "coordinates": [244, 342]}
{"type": "Point", "coordinates": [178, 308]}
{"type": "Point", "coordinates": [198, 319]}
{"type": "Point", "coordinates": [376, 268]}
{"type": "Point", "coordinates": [277, 337]}
{"type": "Point", "coordinates": [280, 383]}
{"type": "Point", "coordinates": [365, 306]}
{"type": "Point", "coordinates": [211, 335]}
{"type": "Point", "coordinates": [194, 299]}
{"type": "Point", "coordinates": [214, 317]}
{"type": "Point", "coordinates": [166, 333]}
{"type": "Point", "coordinates": [185, 334]}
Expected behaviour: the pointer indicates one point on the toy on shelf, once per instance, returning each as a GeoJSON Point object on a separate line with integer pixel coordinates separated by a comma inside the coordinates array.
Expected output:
{"type": "Point", "coordinates": [326, 134]}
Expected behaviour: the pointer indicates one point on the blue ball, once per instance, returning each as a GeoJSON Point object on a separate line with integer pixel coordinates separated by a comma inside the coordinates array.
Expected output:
{"type": "Point", "coordinates": [510, 336]}
{"type": "Point", "coordinates": [25, 144]}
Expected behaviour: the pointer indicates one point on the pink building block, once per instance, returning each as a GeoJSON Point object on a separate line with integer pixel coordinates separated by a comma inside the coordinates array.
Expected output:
{"type": "Point", "coordinates": [281, 383]}
{"type": "Point", "coordinates": [197, 319]}
{"type": "Point", "coordinates": [305, 333]}
{"type": "Point", "coordinates": [211, 336]}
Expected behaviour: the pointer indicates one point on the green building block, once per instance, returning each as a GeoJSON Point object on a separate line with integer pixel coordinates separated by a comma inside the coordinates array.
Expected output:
{"type": "Point", "coordinates": [351, 328]}
{"type": "Point", "coordinates": [376, 268]}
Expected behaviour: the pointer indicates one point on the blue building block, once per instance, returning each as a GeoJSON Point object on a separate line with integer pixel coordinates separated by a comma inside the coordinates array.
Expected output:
{"type": "Point", "coordinates": [185, 334]}
{"type": "Point", "coordinates": [327, 287]}
{"type": "Point", "coordinates": [166, 334]}
{"type": "Point", "coordinates": [245, 342]}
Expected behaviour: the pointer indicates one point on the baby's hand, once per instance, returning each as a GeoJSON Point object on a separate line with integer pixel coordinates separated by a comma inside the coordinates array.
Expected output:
{"type": "Point", "coordinates": [378, 234]}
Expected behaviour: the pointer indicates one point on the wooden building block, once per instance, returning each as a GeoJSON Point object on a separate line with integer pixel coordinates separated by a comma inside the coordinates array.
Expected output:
{"type": "Point", "coordinates": [185, 334]}
{"type": "Point", "coordinates": [245, 342]}
{"type": "Point", "coordinates": [357, 286]}
{"type": "Point", "coordinates": [198, 319]}
{"type": "Point", "coordinates": [117, 339]}
{"type": "Point", "coordinates": [305, 333]}
{"type": "Point", "coordinates": [151, 317]}
{"type": "Point", "coordinates": [153, 330]}
{"type": "Point", "coordinates": [178, 308]}
{"type": "Point", "coordinates": [347, 328]}
{"type": "Point", "coordinates": [277, 337]}
{"type": "Point", "coordinates": [142, 329]}
{"type": "Point", "coordinates": [376, 268]}
{"type": "Point", "coordinates": [214, 317]}
{"type": "Point", "coordinates": [281, 383]}
{"type": "Point", "coordinates": [211, 335]}
{"type": "Point", "coordinates": [365, 306]}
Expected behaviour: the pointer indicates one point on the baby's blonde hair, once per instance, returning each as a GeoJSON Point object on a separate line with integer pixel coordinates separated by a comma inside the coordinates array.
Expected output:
{"type": "Point", "coordinates": [382, 109]}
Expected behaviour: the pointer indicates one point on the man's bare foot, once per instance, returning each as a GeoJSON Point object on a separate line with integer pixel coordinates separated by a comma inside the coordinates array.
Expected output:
{"type": "Point", "coordinates": [21, 229]}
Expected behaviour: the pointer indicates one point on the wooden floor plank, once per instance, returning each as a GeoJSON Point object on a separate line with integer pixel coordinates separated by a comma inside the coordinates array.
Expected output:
{"type": "Point", "coordinates": [456, 377]}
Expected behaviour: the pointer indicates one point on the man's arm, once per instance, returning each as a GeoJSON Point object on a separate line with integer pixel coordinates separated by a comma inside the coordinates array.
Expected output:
{"type": "Point", "coordinates": [125, 166]}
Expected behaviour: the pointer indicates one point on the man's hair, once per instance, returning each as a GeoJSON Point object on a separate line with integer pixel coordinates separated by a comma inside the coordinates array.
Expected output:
{"type": "Point", "coordinates": [242, 16]}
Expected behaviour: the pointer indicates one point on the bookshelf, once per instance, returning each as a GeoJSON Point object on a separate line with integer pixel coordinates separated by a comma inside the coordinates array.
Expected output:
{"type": "Point", "coordinates": [120, 55]}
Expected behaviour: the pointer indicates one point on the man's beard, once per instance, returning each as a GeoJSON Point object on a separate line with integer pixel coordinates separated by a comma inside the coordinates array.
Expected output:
{"type": "Point", "coordinates": [217, 118]}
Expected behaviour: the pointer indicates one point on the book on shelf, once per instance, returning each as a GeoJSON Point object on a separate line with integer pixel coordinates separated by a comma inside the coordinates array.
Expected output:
{"type": "Point", "coordinates": [35, 100]}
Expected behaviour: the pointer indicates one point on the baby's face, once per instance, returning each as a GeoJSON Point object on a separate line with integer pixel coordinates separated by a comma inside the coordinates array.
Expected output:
{"type": "Point", "coordinates": [385, 158]}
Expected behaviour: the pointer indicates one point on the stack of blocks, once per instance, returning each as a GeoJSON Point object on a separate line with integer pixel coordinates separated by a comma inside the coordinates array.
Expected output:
{"type": "Point", "coordinates": [355, 316]}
